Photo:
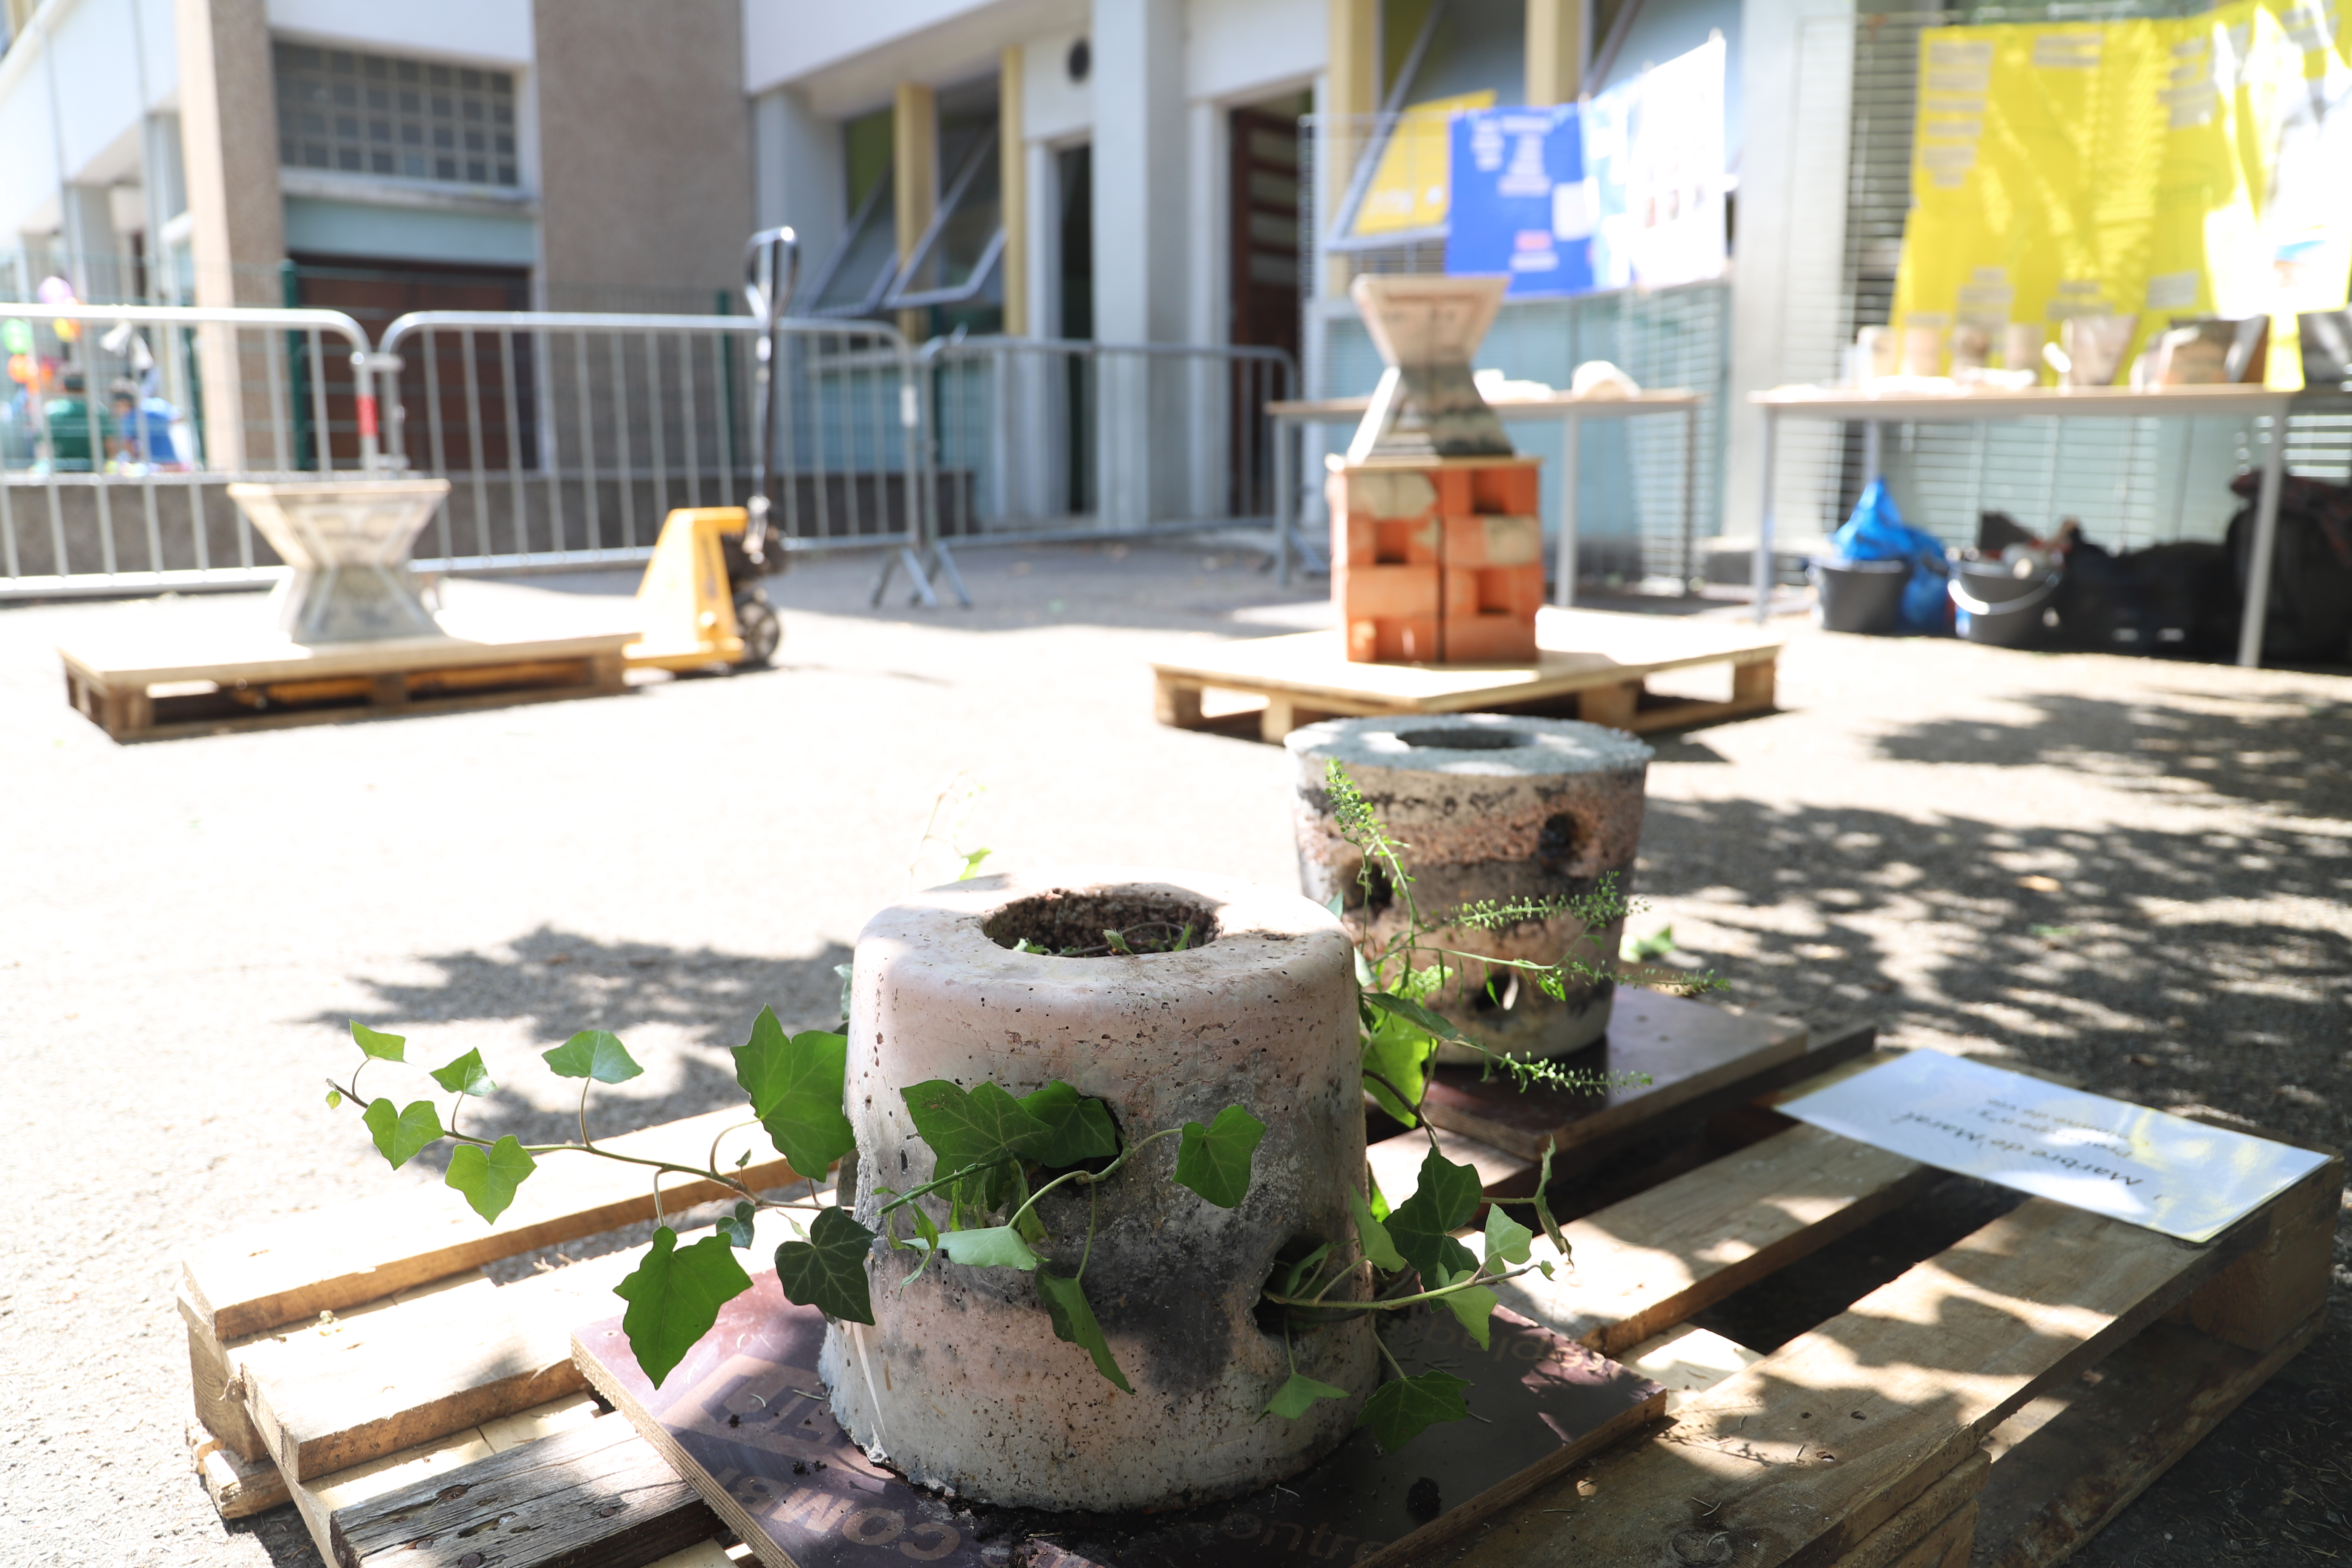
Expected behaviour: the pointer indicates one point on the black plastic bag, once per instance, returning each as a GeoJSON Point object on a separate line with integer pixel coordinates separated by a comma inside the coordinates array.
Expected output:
{"type": "Point", "coordinates": [2310, 610]}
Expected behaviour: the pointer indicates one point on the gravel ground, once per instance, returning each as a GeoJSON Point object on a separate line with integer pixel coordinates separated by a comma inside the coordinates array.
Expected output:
{"type": "Point", "coordinates": [187, 925]}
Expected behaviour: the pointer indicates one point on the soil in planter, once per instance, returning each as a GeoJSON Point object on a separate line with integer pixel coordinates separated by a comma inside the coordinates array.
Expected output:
{"type": "Point", "coordinates": [1125, 923]}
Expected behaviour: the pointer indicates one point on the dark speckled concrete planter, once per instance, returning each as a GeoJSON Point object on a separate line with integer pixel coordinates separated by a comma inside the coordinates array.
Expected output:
{"type": "Point", "coordinates": [960, 1382]}
{"type": "Point", "coordinates": [1490, 806]}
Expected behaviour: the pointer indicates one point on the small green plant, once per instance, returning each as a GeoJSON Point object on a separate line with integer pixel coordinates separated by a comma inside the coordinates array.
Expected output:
{"type": "Point", "coordinates": [998, 1156]}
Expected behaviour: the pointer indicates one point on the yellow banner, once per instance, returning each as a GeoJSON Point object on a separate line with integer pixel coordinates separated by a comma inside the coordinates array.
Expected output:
{"type": "Point", "coordinates": [2168, 169]}
{"type": "Point", "coordinates": [1410, 186]}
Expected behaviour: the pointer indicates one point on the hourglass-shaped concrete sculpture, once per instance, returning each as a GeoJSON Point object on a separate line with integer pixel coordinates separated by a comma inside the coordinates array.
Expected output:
{"type": "Point", "coordinates": [348, 543]}
{"type": "Point", "coordinates": [1436, 550]}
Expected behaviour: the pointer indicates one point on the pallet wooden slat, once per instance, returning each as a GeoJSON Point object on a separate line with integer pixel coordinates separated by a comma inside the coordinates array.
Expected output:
{"type": "Point", "coordinates": [596, 1493]}
{"type": "Point", "coordinates": [292, 1269]}
{"type": "Point", "coordinates": [1799, 1457]}
{"type": "Point", "coordinates": [1644, 1265]}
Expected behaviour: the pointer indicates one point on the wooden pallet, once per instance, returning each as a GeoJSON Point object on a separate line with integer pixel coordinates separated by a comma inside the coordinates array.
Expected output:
{"type": "Point", "coordinates": [356, 1363]}
{"type": "Point", "coordinates": [1590, 665]}
{"type": "Point", "coordinates": [143, 687]}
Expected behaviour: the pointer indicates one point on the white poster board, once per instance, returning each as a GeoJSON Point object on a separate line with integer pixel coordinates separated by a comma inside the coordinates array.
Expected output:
{"type": "Point", "coordinates": [2150, 1168]}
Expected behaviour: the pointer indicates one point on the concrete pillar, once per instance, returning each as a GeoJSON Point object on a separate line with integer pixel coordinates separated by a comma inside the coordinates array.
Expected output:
{"type": "Point", "coordinates": [914, 177]}
{"type": "Point", "coordinates": [93, 250]}
{"type": "Point", "coordinates": [645, 147]}
{"type": "Point", "coordinates": [1792, 240]}
{"type": "Point", "coordinates": [1013, 187]}
{"type": "Point", "coordinates": [798, 177]}
{"type": "Point", "coordinates": [1350, 90]}
{"type": "Point", "coordinates": [1139, 255]}
{"type": "Point", "coordinates": [1560, 41]}
{"type": "Point", "coordinates": [228, 145]}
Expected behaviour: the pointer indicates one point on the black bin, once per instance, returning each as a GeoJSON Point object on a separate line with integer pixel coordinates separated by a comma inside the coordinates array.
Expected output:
{"type": "Point", "coordinates": [1998, 607]}
{"type": "Point", "coordinates": [1860, 596]}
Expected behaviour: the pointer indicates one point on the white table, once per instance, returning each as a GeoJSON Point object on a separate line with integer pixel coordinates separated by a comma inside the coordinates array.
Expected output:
{"type": "Point", "coordinates": [1909, 407]}
{"type": "Point", "coordinates": [1291, 419]}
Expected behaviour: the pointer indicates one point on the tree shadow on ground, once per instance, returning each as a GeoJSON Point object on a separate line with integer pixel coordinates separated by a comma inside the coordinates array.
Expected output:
{"type": "Point", "coordinates": [2281, 748]}
{"type": "Point", "coordinates": [556, 982]}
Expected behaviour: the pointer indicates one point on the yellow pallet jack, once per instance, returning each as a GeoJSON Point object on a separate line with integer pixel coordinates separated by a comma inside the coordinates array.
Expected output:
{"type": "Point", "coordinates": [700, 602]}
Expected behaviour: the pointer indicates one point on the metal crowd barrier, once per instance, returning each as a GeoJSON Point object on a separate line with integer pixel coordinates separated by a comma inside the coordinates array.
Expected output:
{"type": "Point", "coordinates": [95, 499]}
{"type": "Point", "coordinates": [1059, 440]}
{"type": "Point", "coordinates": [567, 438]}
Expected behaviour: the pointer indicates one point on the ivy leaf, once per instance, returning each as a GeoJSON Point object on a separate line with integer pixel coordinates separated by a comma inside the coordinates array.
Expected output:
{"type": "Point", "coordinates": [490, 1180]}
{"type": "Point", "coordinates": [1080, 1128]}
{"type": "Point", "coordinates": [334, 1097]}
{"type": "Point", "coordinates": [467, 1075]}
{"type": "Point", "coordinates": [1506, 1239]}
{"type": "Point", "coordinates": [673, 1296]}
{"type": "Point", "coordinates": [1298, 1396]}
{"type": "Point", "coordinates": [737, 1226]}
{"type": "Point", "coordinates": [384, 1048]}
{"type": "Point", "coordinates": [1214, 1161]}
{"type": "Point", "coordinates": [1400, 1411]}
{"type": "Point", "coordinates": [795, 1087]}
{"type": "Point", "coordinates": [1421, 1225]}
{"type": "Point", "coordinates": [1074, 1321]}
{"type": "Point", "coordinates": [1374, 1237]}
{"type": "Point", "coordinates": [1400, 1052]}
{"type": "Point", "coordinates": [1419, 1017]}
{"type": "Point", "coordinates": [981, 1128]}
{"type": "Point", "coordinates": [592, 1053]}
{"type": "Point", "coordinates": [1302, 1273]}
{"type": "Point", "coordinates": [1474, 1307]}
{"type": "Point", "coordinates": [998, 1246]}
{"type": "Point", "coordinates": [827, 1272]}
{"type": "Point", "coordinates": [399, 1134]}
{"type": "Point", "coordinates": [1543, 1210]}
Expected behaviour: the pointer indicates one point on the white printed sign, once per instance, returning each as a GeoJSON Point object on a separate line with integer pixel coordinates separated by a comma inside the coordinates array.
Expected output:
{"type": "Point", "coordinates": [2152, 1169]}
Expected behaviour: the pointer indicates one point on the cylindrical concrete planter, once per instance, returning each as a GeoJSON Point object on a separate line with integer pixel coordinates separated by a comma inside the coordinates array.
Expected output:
{"type": "Point", "coordinates": [1490, 807]}
{"type": "Point", "coordinates": [959, 1383]}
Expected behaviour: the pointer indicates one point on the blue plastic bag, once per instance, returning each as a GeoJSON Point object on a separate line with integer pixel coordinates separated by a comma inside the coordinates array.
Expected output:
{"type": "Point", "coordinates": [1876, 531]}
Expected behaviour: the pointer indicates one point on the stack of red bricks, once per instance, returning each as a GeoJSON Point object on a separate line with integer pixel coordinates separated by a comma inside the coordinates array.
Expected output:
{"type": "Point", "coordinates": [1438, 563]}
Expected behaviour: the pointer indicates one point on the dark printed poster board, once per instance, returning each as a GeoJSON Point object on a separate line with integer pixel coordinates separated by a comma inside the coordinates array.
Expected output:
{"type": "Point", "coordinates": [745, 1420]}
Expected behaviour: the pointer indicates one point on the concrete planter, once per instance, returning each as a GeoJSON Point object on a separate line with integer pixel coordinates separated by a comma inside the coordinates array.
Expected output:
{"type": "Point", "coordinates": [348, 542]}
{"type": "Point", "coordinates": [1491, 807]}
{"type": "Point", "coordinates": [960, 1382]}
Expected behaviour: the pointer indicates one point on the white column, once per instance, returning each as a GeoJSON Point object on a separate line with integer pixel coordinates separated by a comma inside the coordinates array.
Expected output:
{"type": "Point", "coordinates": [1791, 245]}
{"type": "Point", "coordinates": [1140, 253]}
{"type": "Point", "coordinates": [797, 174]}
{"type": "Point", "coordinates": [1208, 385]}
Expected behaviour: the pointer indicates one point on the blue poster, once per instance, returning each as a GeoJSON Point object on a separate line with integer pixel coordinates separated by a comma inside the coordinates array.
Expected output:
{"type": "Point", "coordinates": [1521, 203]}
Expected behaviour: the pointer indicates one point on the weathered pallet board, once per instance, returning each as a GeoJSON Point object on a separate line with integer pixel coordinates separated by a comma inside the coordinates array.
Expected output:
{"type": "Point", "coordinates": [135, 691]}
{"type": "Point", "coordinates": [1799, 1457]}
{"type": "Point", "coordinates": [2013, 1454]}
{"type": "Point", "coordinates": [1594, 660]}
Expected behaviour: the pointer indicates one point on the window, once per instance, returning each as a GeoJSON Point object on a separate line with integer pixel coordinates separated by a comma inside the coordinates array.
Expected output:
{"type": "Point", "coordinates": [377, 114]}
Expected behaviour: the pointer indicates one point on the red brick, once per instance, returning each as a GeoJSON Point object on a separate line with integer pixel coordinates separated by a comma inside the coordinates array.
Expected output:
{"type": "Point", "coordinates": [1382, 593]}
{"type": "Point", "coordinates": [1489, 639]}
{"type": "Point", "coordinates": [1494, 540]}
{"type": "Point", "coordinates": [1512, 590]}
{"type": "Point", "coordinates": [1505, 487]}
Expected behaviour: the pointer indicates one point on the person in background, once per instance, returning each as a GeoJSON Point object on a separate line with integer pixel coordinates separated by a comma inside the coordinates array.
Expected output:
{"type": "Point", "coordinates": [76, 431]}
{"type": "Point", "coordinates": [143, 430]}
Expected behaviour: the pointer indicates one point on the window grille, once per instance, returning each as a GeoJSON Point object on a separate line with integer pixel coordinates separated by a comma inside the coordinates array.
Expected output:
{"type": "Point", "coordinates": [360, 113]}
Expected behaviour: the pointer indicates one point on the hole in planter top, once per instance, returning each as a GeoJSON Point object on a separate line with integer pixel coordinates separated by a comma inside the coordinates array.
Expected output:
{"type": "Point", "coordinates": [1467, 739]}
{"type": "Point", "coordinates": [1111, 922]}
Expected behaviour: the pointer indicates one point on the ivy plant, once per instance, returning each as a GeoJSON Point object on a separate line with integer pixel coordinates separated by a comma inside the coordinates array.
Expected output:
{"type": "Point", "coordinates": [997, 1156]}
